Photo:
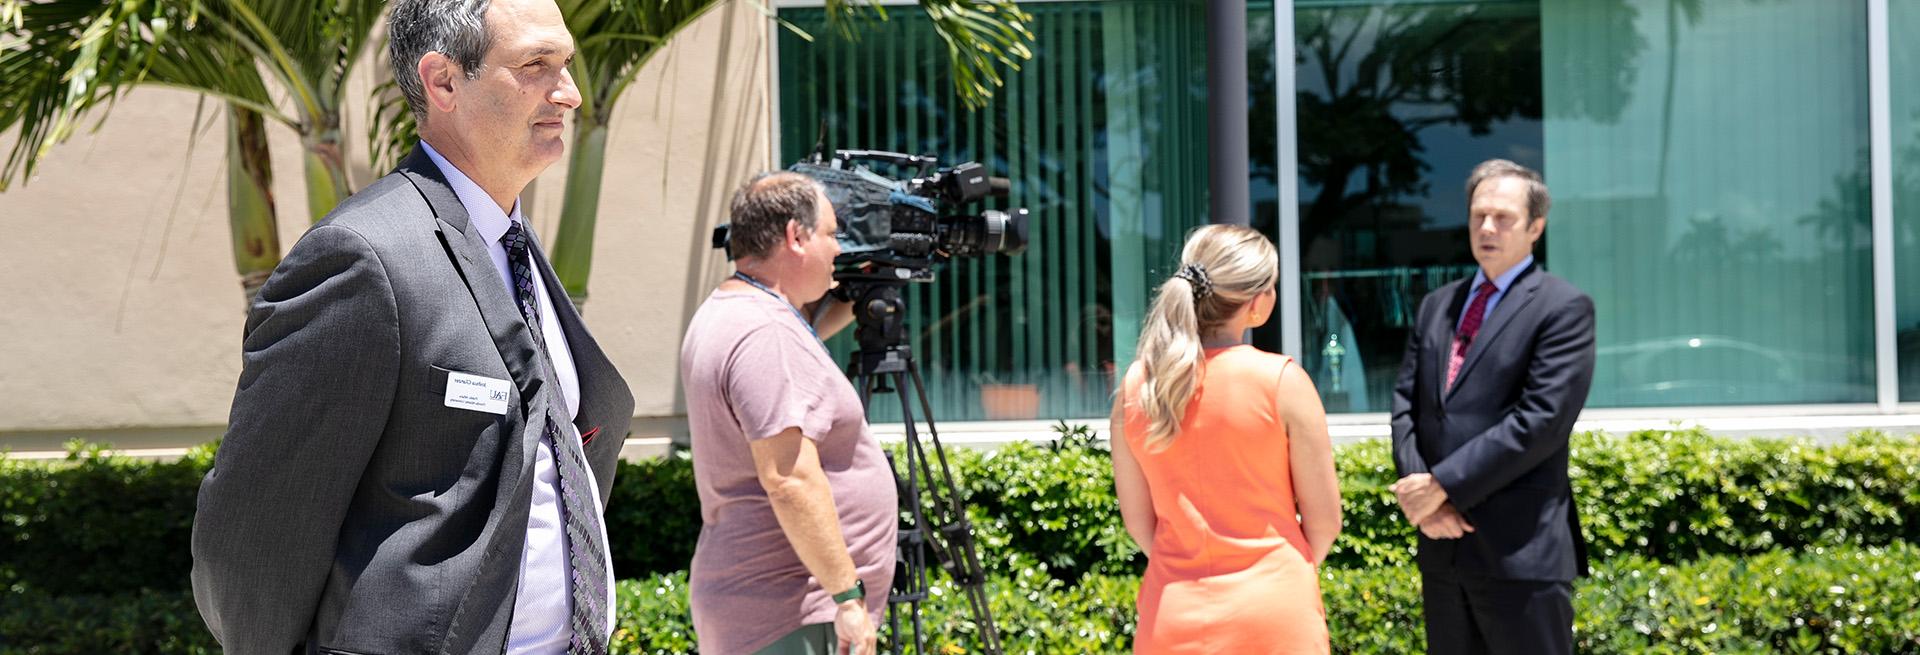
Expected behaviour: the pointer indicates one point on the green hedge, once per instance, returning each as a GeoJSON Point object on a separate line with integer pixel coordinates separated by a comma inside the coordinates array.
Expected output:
{"type": "Point", "coordinates": [100, 524]}
{"type": "Point", "coordinates": [103, 524]}
{"type": "Point", "coordinates": [1840, 600]}
{"type": "Point", "coordinates": [97, 524]}
{"type": "Point", "coordinates": [653, 518]}
{"type": "Point", "coordinates": [1669, 496]}
{"type": "Point", "coordinates": [145, 621]}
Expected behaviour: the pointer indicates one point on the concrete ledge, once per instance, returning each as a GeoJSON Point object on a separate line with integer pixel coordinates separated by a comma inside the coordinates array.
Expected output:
{"type": "Point", "coordinates": [655, 436]}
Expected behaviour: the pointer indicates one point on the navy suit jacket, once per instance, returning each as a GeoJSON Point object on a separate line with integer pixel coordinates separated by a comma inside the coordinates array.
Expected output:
{"type": "Point", "coordinates": [1497, 440]}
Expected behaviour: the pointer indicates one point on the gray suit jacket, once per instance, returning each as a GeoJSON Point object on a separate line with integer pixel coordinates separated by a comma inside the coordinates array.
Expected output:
{"type": "Point", "coordinates": [349, 509]}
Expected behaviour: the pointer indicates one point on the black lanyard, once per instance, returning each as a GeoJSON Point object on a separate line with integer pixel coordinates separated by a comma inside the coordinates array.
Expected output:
{"type": "Point", "coordinates": [743, 277]}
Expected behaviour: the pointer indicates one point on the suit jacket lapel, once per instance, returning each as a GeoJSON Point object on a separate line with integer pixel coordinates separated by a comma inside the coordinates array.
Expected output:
{"type": "Point", "coordinates": [1511, 305]}
{"type": "Point", "coordinates": [472, 257]}
{"type": "Point", "coordinates": [1440, 338]}
{"type": "Point", "coordinates": [606, 405]}
{"type": "Point", "coordinates": [590, 364]}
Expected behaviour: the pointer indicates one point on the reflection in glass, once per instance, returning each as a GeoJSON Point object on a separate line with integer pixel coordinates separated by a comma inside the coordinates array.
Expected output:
{"type": "Point", "coordinates": [1904, 50]}
{"type": "Point", "coordinates": [1103, 135]}
{"type": "Point", "coordinates": [1397, 101]}
{"type": "Point", "coordinates": [1708, 162]}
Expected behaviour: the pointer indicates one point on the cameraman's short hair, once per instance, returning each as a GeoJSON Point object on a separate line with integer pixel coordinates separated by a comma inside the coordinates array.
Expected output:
{"type": "Point", "coordinates": [763, 206]}
{"type": "Point", "coordinates": [1538, 202]}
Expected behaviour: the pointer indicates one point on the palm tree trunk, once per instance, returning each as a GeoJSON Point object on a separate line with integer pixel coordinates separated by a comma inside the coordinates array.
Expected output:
{"type": "Point", "coordinates": [326, 166]}
{"type": "Point", "coordinates": [580, 209]}
{"type": "Point", "coordinates": [256, 232]}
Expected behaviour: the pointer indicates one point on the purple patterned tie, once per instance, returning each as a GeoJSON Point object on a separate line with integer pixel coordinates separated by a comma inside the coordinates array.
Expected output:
{"type": "Point", "coordinates": [585, 553]}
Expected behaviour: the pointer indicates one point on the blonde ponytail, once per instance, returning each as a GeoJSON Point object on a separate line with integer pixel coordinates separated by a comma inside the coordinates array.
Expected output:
{"type": "Point", "coordinates": [1169, 355]}
{"type": "Point", "coordinates": [1222, 268]}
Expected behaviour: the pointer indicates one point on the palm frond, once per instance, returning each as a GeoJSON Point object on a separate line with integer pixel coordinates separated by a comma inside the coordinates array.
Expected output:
{"type": "Point", "coordinates": [615, 40]}
{"type": "Point", "coordinates": [981, 36]}
{"type": "Point", "coordinates": [67, 58]}
{"type": "Point", "coordinates": [391, 132]}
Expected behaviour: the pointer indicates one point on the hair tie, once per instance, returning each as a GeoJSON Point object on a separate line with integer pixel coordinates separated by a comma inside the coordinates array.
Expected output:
{"type": "Point", "coordinates": [1196, 275]}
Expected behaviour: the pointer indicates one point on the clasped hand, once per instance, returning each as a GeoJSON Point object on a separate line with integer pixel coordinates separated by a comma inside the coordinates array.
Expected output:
{"type": "Point", "coordinates": [1425, 504]}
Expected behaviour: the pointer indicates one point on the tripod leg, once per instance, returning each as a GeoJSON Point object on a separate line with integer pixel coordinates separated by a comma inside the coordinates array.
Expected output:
{"type": "Point", "coordinates": [916, 463]}
{"type": "Point", "coordinates": [953, 539]}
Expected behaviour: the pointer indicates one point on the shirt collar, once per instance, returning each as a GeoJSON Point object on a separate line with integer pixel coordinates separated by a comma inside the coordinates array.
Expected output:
{"type": "Point", "coordinates": [1505, 280]}
{"type": "Point", "coordinates": [485, 214]}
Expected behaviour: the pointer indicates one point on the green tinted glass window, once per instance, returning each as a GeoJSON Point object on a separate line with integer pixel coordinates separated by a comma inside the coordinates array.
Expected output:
{"type": "Point", "coordinates": [1103, 136]}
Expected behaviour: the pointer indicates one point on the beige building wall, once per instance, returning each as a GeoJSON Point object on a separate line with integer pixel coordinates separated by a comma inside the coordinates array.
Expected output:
{"type": "Point", "coordinates": [124, 313]}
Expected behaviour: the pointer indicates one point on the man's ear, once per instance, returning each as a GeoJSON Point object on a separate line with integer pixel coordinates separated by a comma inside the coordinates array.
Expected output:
{"type": "Point", "coordinates": [437, 74]}
{"type": "Point", "coordinates": [796, 237]}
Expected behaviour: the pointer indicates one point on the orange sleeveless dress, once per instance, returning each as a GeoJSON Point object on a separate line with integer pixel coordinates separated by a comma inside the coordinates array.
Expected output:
{"type": "Point", "coordinates": [1228, 571]}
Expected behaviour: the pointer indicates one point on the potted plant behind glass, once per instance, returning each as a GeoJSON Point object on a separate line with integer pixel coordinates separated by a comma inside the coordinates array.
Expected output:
{"type": "Point", "coordinates": [1006, 401]}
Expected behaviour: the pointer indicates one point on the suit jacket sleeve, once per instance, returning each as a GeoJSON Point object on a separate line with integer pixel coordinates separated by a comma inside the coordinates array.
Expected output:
{"type": "Point", "coordinates": [1558, 376]}
{"type": "Point", "coordinates": [1406, 447]}
{"type": "Point", "coordinates": [320, 364]}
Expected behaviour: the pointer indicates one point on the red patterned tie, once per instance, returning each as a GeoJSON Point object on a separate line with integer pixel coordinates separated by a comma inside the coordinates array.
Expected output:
{"type": "Point", "coordinates": [1469, 326]}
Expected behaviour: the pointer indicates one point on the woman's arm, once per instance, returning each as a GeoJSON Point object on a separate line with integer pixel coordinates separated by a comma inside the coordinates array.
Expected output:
{"type": "Point", "coordinates": [1130, 483]}
{"type": "Point", "coordinates": [1316, 490]}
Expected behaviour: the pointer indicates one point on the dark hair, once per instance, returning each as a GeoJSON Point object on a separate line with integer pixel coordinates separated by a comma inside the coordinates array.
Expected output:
{"type": "Point", "coordinates": [1538, 202]}
{"type": "Point", "coordinates": [455, 28]}
{"type": "Point", "coordinates": [763, 206]}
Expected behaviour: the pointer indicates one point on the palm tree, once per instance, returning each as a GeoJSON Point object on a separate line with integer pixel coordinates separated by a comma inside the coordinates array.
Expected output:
{"type": "Point", "coordinates": [618, 37]}
{"type": "Point", "coordinates": [214, 47]}
{"type": "Point", "coordinates": [59, 61]}
{"type": "Point", "coordinates": [310, 48]}
{"type": "Point", "coordinates": [63, 59]}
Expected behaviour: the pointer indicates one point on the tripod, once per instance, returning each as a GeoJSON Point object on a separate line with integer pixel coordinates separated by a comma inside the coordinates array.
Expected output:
{"type": "Point", "coordinates": [882, 364]}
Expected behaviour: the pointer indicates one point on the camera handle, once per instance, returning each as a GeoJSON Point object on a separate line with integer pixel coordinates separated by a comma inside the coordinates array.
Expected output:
{"type": "Point", "coordinates": [933, 518]}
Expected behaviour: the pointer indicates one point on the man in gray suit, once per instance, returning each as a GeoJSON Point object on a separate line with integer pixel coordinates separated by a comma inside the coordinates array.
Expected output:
{"type": "Point", "coordinates": [424, 436]}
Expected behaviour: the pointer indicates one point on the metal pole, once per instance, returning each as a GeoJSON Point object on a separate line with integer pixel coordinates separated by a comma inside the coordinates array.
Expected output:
{"type": "Point", "coordinates": [1288, 171]}
{"type": "Point", "coordinates": [1880, 131]}
{"type": "Point", "coordinates": [1228, 165]}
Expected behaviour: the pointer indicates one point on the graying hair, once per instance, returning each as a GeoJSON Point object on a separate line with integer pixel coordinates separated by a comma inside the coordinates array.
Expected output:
{"type": "Point", "coordinates": [1538, 202]}
{"type": "Point", "coordinates": [763, 206]}
{"type": "Point", "coordinates": [455, 28]}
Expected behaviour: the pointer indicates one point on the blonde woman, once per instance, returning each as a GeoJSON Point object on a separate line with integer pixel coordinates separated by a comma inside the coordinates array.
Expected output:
{"type": "Point", "coordinates": [1222, 464]}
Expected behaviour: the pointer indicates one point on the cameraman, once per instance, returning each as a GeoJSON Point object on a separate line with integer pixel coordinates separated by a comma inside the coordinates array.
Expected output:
{"type": "Point", "coordinates": [797, 501]}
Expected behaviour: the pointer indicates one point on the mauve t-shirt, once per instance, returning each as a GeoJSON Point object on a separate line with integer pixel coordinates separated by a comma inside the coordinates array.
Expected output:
{"type": "Point", "coordinates": [751, 371]}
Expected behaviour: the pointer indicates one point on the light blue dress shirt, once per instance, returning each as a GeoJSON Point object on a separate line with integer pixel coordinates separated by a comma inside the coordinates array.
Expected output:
{"type": "Point", "coordinates": [1500, 285]}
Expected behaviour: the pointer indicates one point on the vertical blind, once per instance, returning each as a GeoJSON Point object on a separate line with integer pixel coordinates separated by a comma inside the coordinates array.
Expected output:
{"type": "Point", "coordinates": [1103, 136]}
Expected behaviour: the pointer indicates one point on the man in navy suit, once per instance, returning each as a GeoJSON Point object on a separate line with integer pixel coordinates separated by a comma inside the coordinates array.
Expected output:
{"type": "Point", "coordinates": [1496, 370]}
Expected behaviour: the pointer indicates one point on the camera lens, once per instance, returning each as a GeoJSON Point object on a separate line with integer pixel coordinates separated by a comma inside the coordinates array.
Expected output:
{"type": "Point", "coordinates": [1007, 231]}
{"type": "Point", "coordinates": [990, 232]}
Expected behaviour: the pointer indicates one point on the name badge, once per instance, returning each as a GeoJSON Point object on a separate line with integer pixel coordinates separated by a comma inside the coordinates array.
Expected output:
{"type": "Point", "coordinates": [480, 394]}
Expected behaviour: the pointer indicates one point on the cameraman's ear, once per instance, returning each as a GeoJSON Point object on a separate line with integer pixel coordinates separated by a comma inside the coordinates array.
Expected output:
{"type": "Point", "coordinates": [797, 237]}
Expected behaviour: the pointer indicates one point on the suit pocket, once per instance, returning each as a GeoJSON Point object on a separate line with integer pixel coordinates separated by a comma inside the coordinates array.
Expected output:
{"type": "Point", "coordinates": [479, 402]}
{"type": "Point", "coordinates": [336, 651]}
{"type": "Point", "coordinates": [496, 394]}
{"type": "Point", "coordinates": [437, 380]}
